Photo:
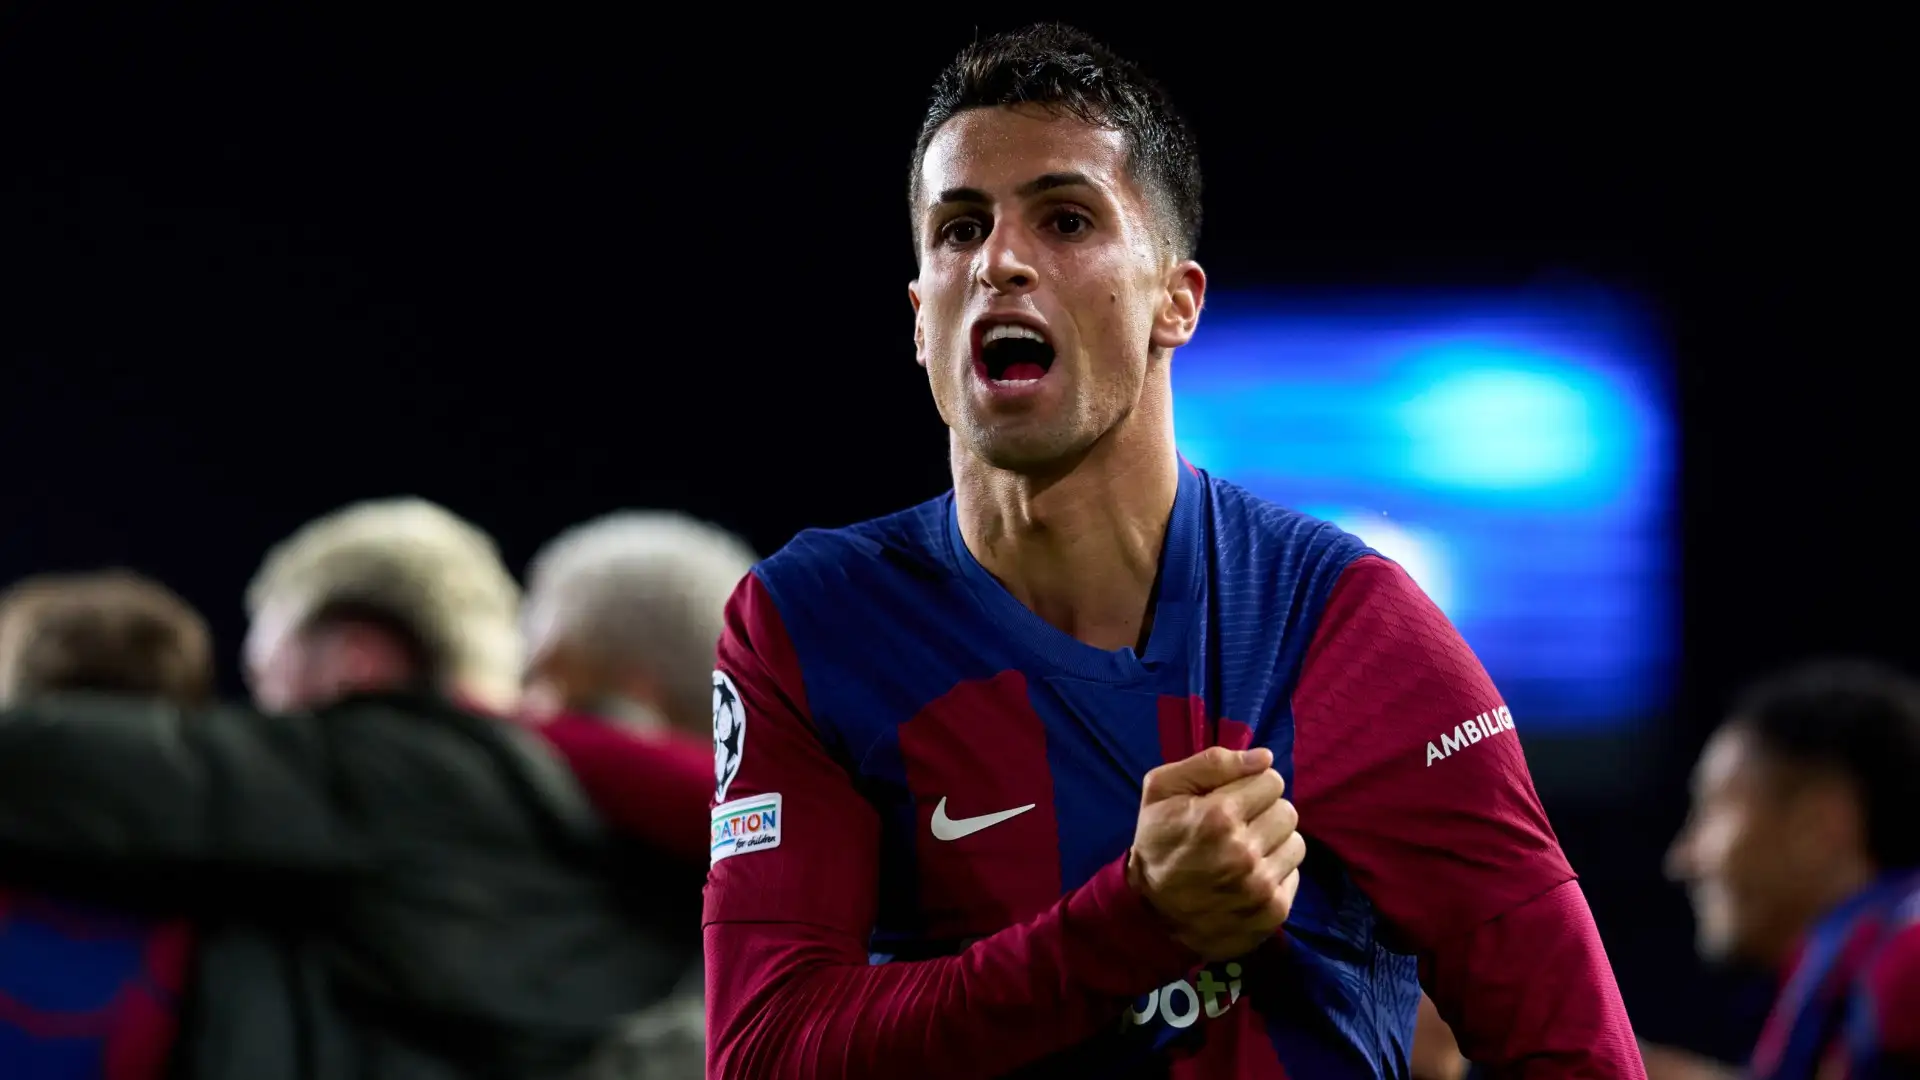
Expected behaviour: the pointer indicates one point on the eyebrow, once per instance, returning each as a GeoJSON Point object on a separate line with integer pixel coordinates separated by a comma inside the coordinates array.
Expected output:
{"type": "Point", "coordinates": [1042, 183]}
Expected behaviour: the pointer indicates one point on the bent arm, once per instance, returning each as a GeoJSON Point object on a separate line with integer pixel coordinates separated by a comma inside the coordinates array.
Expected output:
{"type": "Point", "coordinates": [798, 1002]}
{"type": "Point", "coordinates": [792, 897]}
{"type": "Point", "coordinates": [139, 787]}
{"type": "Point", "coordinates": [1408, 767]}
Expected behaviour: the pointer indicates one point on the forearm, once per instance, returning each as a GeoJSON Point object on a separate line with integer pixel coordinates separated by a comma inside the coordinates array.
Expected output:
{"type": "Point", "coordinates": [1436, 1055]}
{"type": "Point", "coordinates": [654, 788]}
{"type": "Point", "coordinates": [790, 1003]}
{"type": "Point", "coordinates": [95, 779]}
{"type": "Point", "coordinates": [143, 788]}
{"type": "Point", "coordinates": [1531, 994]}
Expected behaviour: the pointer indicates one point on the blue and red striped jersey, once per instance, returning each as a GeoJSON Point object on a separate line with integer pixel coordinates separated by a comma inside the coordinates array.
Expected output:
{"type": "Point", "coordinates": [1850, 1007]}
{"type": "Point", "coordinates": [86, 993]}
{"type": "Point", "coordinates": [926, 793]}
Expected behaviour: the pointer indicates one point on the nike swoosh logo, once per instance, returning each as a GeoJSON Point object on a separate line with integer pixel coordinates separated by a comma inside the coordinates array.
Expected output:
{"type": "Point", "coordinates": [946, 828]}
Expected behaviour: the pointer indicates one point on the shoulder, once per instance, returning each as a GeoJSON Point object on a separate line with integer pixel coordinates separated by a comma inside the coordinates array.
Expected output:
{"type": "Point", "coordinates": [1259, 537]}
{"type": "Point", "coordinates": [500, 775]}
{"type": "Point", "coordinates": [1273, 557]}
{"type": "Point", "coordinates": [831, 601]}
{"type": "Point", "coordinates": [1250, 525]}
{"type": "Point", "coordinates": [910, 543]}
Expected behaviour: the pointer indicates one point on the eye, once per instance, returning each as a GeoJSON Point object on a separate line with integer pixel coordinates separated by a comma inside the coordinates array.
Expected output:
{"type": "Point", "coordinates": [964, 230]}
{"type": "Point", "coordinates": [1070, 223]}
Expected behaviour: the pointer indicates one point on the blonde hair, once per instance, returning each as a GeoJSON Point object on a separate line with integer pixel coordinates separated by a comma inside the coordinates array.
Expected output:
{"type": "Point", "coordinates": [646, 590]}
{"type": "Point", "coordinates": [436, 575]}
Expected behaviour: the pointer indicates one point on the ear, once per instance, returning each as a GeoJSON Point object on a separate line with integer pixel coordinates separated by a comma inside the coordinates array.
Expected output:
{"type": "Point", "coordinates": [919, 331]}
{"type": "Point", "coordinates": [1179, 314]}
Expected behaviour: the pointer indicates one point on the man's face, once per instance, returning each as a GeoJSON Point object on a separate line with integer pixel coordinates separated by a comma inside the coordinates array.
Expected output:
{"type": "Point", "coordinates": [1045, 292]}
{"type": "Point", "coordinates": [1737, 856]}
{"type": "Point", "coordinates": [284, 669]}
{"type": "Point", "coordinates": [13, 638]}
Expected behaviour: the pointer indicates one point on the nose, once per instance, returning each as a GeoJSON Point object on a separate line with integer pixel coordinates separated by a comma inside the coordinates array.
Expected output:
{"type": "Point", "coordinates": [1005, 263]}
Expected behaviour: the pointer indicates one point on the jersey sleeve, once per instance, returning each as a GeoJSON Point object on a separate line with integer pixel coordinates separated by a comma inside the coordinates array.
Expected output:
{"type": "Point", "coordinates": [790, 991]}
{"type": "Point", "coordinates": [1892, 999]}
{"type": "Point", "coordinates": [650, 785]}
{"type": "Point", "coordinates": [1408, 769]}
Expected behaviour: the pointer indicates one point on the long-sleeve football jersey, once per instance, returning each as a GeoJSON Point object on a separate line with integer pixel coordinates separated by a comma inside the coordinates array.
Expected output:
{"type": "Point", "coordinates": [1850, 1006]}
{"type": "Point", "coordinates": [926, 793]}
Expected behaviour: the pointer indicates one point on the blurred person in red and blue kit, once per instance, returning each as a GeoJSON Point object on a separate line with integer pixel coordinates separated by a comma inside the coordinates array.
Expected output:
{"type": "Point", "coordinates": [92, 989]}
{"type": "Point", "coordinates": [1802, 854]}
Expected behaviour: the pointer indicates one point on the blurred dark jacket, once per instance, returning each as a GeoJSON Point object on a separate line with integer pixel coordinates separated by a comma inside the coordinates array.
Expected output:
{"type": "Point", "coordinates": [653, 786]}
{"type": "Point", "coordinates": [666, 1042]}
{"type": "Point", "coordinates": [391, 888]}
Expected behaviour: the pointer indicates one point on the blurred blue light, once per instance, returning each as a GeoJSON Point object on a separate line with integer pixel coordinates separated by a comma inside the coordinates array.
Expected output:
{"type": "Point", "coordinates": [1514, 456]}
{"type": "Point", "coordinates": [1501, 428]}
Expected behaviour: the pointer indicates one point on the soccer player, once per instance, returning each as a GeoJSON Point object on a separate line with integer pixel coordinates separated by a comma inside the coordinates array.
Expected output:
{"type": "Point", "coordinates": [1000, 776]}
{"type": "Point", "coordinates": [1802, 853]}
{"type": "Point", "coordinates": [93, 989]}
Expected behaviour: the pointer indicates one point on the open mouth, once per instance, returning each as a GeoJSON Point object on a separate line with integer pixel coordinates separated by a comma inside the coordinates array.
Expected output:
{"type": "Point", "coordinates": [1012, 353]}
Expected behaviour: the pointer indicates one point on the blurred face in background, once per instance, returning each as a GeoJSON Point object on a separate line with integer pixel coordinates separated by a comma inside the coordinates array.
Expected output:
{"type": "Point", "coordinates": [565, 676]}
{"type": "Point", "coordinates": [292, 663]}
{"type": "Point", "coordinates": [1758, 853]}
{"type": "Point", "coordinates": [560, 679]}
{"type": "Point", "coordinates": [1044, 287]}
{"type": "Point", "coordinates": [282, 674]}
{"type": "Point", "coordinates": [13, 639]}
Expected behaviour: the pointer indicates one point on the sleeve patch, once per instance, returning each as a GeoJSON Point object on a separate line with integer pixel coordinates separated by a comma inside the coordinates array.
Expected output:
{"type": "Point", "coordinates": [729, 734]}
{"type": "Point", "coordinates": [745, 825]}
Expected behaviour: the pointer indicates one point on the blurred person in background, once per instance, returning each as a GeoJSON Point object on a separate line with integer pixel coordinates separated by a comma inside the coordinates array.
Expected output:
{"type": "Point", "coordinates": [622, 615]}
{"type": "Point", "coordinates": [621, 619]}
{"type": "Point", "coordinates": [1801, 854]}
{"type": "Point", "coordinates": [112, 632]}
{"type": "Point", "coordinates": [387, 880]}
{"type": "Point", "coordinates": [88, 990]}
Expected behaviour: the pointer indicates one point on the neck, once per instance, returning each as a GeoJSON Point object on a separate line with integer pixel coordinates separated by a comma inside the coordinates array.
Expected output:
{"type": "Point", "coordinates": [1825, 891]}
{"type": "Point", "coordinates": [1847, 881]}
{"type": "Point", "coordinates": [1080, 546]}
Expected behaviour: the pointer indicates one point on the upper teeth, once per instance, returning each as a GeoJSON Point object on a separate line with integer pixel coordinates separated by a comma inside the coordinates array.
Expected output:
{"type": "Point", "coordinates": [1001, 331]}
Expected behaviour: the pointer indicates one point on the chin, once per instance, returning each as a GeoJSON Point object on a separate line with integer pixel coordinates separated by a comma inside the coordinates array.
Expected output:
{"type": "Point", "coordinates": [1714, 948]}
{"type": "Point", "coordinates": [1729, 945]}
{"type": "Point", "coordinates": [1027, 451]}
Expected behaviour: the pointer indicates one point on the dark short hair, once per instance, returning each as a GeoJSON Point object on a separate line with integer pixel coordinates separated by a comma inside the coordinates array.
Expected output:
{"type": "Point", "coordinates": [112, 631]}
{"type": "Point", "coordinates": [1063, 69]}
{"type": "Point", "coordinates": [1858, 719]}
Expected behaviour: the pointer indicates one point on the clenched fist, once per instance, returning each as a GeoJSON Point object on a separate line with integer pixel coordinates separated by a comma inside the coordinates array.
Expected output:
{"type": "Point", "coordinates": [1215, 851]}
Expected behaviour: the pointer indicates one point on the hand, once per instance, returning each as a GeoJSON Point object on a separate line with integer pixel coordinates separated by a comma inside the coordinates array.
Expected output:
{"type": "Point", "coordinates": [1215, 850]}
{"type": "Point", "coordinates": [1436, 1054]}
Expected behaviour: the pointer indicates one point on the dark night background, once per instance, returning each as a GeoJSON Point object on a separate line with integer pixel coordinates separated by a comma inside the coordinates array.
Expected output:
{"type": "Point", "coordinates": [537, 266]}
